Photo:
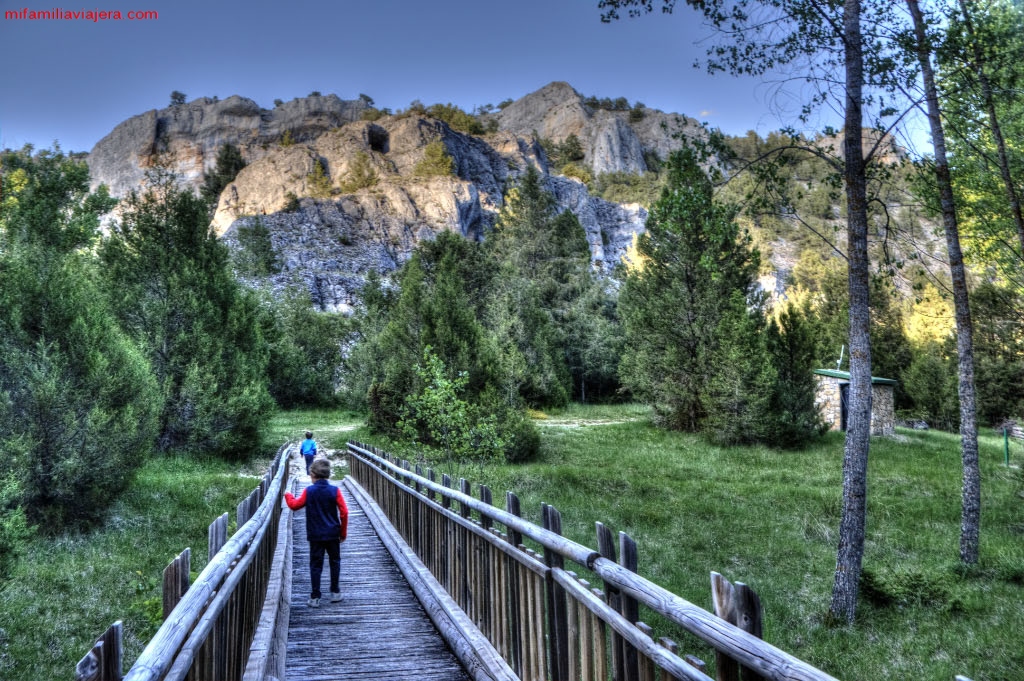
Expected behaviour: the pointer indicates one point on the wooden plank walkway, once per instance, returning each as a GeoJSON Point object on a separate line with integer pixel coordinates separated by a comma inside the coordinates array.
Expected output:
{"type": "Point", "coordinates": [378, 631]}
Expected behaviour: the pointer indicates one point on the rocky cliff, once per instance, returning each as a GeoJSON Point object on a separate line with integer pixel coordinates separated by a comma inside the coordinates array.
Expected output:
{"type": "Point", "coordinates": [328, 231]}
{"type": "Point", "coordinates": [613, 141]}
{"type": "Point", "coordinates": [187, 137]}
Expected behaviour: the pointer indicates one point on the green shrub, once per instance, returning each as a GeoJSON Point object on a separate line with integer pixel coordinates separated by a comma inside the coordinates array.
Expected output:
{"type": "Point", "coordinates": [439, 418]}
{"type": "Point", "coordinates": [318, 181]}
{"type": "Point", "coordinates": [456, 118]}
{"type": "Point", "coordinates": [255, 256]}
{"type": "Point", "coordinates": [287, 139]}
{"type": "Point", "coordinates": [931, 384]}
{"type": "Point", "coordinates": [361, 174]}
{"type": "Point", "coordinates": [562, 153]}
{"type": "Point", "coordinates": [14, 529]}
{"type": "Point", "coordinates": [291, 202]}
{"type": "Point", "coordinates": [435, 162]}
{"type": "Point", "coordinates": [578, 172]}
{"type": "Point", "coordinates": [305, 350]}
{"type": "Point", "coordinates": [907, 587]}
{"type": "Point", "coordinates": [620, 187]}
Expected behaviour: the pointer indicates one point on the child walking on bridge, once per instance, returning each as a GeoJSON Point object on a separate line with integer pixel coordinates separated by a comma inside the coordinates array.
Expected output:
{"type": "Point", "coordinates": [308, 450]}
{"type": "Point", "coordinates": [326, 527]}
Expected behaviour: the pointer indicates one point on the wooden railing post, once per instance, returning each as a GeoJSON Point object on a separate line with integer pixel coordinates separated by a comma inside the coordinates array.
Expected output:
{"type": "Point", "coordinates": [446, 480]}
{"type": "Point", "coordinates": [629, 608]}
{"type": "Point", "coordinates": [466, 488]}
{"type": "Point", "coordinates": [485, 579]}
{"type": "Point", "coordinates": [217, 535]}
{"type": "Point", "coordinates": [515, 594]}
{"type": "Point", "coordinates": [606, 547]}
{"type": "Point", "coordinates": [558, 617]}
{"type": "Point", "coordinates": [737, 604]}
{"type": "Point", "coordinates": [103, 662]}
{"type": "Point", "coordinates": [487, 498]}
{"type": "Point", "coordinates": [465, 563]}
{"type": "Point", "coordinates": [176, 576]}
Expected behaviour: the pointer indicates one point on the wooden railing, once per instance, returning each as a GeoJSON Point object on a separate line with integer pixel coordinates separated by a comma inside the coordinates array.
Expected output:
{"type": "Point", "coordinates": [223, 625]}
{"type": "Point", "coordinates": [545, 620]}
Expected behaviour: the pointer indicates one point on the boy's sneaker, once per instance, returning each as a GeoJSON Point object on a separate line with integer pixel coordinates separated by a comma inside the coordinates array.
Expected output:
{"type": "Point", "coordinates": [313, 602]}
{"type": "Point", "coordinates": [335, 597]}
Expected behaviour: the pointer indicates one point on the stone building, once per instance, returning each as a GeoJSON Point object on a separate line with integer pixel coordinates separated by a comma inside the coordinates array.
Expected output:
{"type": "Point", "coordinates": [831, 394]}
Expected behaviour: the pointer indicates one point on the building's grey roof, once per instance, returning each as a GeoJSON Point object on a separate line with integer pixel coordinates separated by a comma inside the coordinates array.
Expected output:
{"type": "Point", "coordinates": [845, 375]}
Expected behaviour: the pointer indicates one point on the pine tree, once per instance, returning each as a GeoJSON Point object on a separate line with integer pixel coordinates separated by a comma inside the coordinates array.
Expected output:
{"type": "Point", "coordinates": [229, 164]}
{"type": "Point", "coordinates": [687, 301]}
{"type": "Point", "coordinates": [436, 161]}
{"type": "Point", "coordinates": [173, 291]}
{"type": "Point", "coordinates": [77, 399]}
{"type": "Point", "coordinates": [443, 293]}
{"type": "Point", "coordinates": [305, 348]}
{"type": "Point", "coordinates": [538, 310]}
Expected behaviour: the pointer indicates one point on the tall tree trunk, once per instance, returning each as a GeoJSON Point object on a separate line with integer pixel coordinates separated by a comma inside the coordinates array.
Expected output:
{"type": "Point", "coordinates": [971, 514]}
{"type": "Point", "coordinates": [858, 433]}
{"type": "Point", "coordinates": [997, 131]}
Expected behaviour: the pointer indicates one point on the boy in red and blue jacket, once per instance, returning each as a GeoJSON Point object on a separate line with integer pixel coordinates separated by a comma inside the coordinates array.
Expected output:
{"type": "Point", "coordinates": [326, 527]}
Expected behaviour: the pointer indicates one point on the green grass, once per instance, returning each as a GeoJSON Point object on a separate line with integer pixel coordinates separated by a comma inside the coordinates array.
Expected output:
{"type": "Point", "coordinates": [767, 518]}
{"type": "Point", "coordinates": [68, 589]}
{"type": "Point", "coordinates": [331, 429]}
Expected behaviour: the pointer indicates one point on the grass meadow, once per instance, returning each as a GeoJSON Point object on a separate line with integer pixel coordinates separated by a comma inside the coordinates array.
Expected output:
{"type": "Point", "coordinates": [760, 516]}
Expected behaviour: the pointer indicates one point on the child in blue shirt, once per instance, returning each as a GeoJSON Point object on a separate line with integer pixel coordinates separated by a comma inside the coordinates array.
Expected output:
{"type": "Point", "coordinates": [308, 450]}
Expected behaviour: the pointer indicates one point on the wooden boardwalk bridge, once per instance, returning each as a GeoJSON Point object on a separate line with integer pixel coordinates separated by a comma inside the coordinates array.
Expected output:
{"type": "Point", "coordinates": [378, 631]}
{"type": "Point", "coordinates": [437, 584]}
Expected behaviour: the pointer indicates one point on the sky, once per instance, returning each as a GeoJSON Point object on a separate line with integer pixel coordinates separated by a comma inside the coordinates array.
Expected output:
{"type": "Point", "coordinates": [72, 81]}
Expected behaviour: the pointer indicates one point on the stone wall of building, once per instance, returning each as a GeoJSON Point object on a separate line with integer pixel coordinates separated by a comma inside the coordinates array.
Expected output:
{"type": "Point", "coordinates": [827, 399]}
{"type": "Point", "coordinates": [883, 410]}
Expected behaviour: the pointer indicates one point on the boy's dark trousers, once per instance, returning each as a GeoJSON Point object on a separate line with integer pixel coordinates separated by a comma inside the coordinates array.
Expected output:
{"type": "Point", "coordinates": [316, 564]}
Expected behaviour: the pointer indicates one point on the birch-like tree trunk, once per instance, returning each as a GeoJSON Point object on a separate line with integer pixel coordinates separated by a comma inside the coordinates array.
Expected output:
{"type": "Point", "coordinates": [970, 520]}
{"type": "Point", "coordinates": [850, 553]}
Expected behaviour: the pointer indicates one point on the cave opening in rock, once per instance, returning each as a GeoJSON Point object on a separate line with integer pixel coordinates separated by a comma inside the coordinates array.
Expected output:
{"type": "Point", "coordinates": [378, 138]}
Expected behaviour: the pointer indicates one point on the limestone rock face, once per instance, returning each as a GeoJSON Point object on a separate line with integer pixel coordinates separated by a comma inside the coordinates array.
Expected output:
{"type": "Point", "coordinates": [330, 244]}
{"type": "Point", "coordinates": [187, 137]}
{"type": "Point", "coordinates": [393, 147]}
{"type": "Point", "coordinates": [330, 224]}
{"type": "Point", "coordinates": [609, 226]}
{"type": "Point", "coordinates": [612, 141]}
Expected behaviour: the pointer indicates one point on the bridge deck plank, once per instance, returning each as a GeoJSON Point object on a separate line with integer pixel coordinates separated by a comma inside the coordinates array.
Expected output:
{"type": "Point", "coordinates": [378, 631]}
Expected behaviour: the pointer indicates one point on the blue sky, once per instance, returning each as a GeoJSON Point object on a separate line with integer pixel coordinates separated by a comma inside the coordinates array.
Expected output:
{"type": "Point", "coordinates": [74, 80]}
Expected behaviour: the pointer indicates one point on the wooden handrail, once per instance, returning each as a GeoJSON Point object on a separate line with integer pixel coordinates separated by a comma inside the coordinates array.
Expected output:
{"type": "Point", "coordinates": [567, 548]}
{"type": "Point", "coordinates": [170, 654]}
{"type": "Point", "coordinates": [189, 624]}
{"type": "Point", "coordinates": [745, 648]}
